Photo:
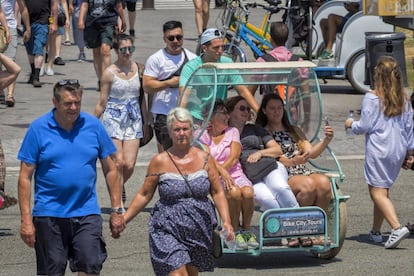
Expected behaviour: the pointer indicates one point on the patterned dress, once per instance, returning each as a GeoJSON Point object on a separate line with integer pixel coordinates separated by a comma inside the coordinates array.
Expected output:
{"type": "Point", "coordinates": [182, 223]}
{"type": "Point", "coordinates": [122, 115]}
{"type": "Point", "coordinates": [289, 147]}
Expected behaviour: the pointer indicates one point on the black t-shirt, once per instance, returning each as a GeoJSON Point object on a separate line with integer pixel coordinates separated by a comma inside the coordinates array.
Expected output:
{"type": "Point", "coordinates": [39, 11]}
{"type": "Point", "coordinates": [101, 12]}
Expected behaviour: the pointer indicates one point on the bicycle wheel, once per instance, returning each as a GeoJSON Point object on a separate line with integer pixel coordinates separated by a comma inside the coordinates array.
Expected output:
{"type": "Point", "coordinates": [234, 52]}
{"type": "Point", "coordinates": [314, 41]}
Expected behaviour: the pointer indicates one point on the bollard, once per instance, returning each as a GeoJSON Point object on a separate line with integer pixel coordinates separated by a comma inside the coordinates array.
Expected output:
{"type": "Point", "coordinates": [147, 5]}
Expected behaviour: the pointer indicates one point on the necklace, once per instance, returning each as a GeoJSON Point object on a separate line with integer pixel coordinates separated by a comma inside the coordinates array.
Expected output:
{"type": "Point", "coordinates": [125, 69]}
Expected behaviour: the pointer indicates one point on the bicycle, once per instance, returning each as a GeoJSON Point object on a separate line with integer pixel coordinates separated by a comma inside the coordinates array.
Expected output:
{"type": "Point", "coordinates": [237, 28]}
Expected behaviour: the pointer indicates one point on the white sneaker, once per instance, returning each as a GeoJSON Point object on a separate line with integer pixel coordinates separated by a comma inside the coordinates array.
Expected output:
{"type": "Point", "coordinates": [375, 237]}
{"type": "Point", "coordinates": [49, 71]}
{"type": "Point", "coordinates": [42, 71]}
{"type": "Point", "coordinates": [396, 237]}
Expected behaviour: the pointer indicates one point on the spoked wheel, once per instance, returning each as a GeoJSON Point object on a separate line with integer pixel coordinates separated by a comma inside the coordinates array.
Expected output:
{"type": "Point", "coordinates": [331, 253]}
{"type": "Point", "coordinates": [234, 52]}
{"type": "Point", "coordinates": [313, 41]}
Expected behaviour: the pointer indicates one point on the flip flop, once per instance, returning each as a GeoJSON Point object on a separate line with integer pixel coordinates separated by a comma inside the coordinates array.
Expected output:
{"type": "Point", "coordinates": [10, 101]}
{"type": "Point", "coordinates": [294, 242]}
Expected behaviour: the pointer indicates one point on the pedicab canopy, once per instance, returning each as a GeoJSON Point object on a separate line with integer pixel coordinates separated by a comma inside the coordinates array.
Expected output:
{"type": "Point", "coordinates": [295, 81]}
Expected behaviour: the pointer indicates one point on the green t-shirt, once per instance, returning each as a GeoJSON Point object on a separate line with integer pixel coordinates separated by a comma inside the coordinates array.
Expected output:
{"type": "Point", "coordinates": [203, 83]}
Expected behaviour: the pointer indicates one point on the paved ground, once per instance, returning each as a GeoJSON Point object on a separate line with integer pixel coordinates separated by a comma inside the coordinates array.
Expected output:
{"type": "Point", "coordinates": [130, 254]}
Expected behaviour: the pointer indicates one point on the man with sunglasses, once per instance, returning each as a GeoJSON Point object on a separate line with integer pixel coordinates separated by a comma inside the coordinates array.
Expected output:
{"type": "Point", "coordinates": [212, 46]}
{"type": "Point", "coordinates": [161, 78]}
{"type": "Point", "coordinates": [60, 150]}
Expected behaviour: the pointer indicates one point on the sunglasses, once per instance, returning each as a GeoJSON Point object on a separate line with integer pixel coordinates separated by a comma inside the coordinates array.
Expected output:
{"type": "Point", "coordinates": [243, 108]}
{"type": "Point", "coordinates": [172, 37]}
{"type": "Point", "coordinates": [72, 82]}
{"type": "Point", "coordinates": [130, 49]}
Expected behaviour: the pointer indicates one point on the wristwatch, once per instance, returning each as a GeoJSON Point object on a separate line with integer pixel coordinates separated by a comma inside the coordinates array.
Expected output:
{"type": "Point", "coordinates": [118, 210]}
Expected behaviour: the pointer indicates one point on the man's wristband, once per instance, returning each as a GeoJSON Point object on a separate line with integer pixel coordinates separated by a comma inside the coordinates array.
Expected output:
{"type": "Point", "coordinates": [118, 210]}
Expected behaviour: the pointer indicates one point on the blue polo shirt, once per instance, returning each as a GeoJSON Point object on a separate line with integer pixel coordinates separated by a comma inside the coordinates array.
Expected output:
{"type": "Point", "coordinates": [65, 174]}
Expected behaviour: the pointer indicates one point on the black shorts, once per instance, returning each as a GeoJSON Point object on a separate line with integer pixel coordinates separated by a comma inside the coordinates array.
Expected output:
{"type": "Point", "coordinates": [130, 5]}
{"type": "Point", "coordinates": [161, 131]}
{"type": "Point", "coordinates": [78, 240]}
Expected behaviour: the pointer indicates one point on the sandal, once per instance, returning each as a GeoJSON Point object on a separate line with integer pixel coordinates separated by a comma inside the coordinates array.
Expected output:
{"type": "Point", "coordinates": [320, 240]}
{"type": "Point", "coordinates": [294, 242]}
{"type": "Point", "coordinates": [10, 101]}
{"type": "Point", "coordinates": [306, 242]}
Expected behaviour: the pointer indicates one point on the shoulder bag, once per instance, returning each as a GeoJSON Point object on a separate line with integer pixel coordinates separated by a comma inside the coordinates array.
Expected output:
{"type": "Point", "coordinates": [147, 129]}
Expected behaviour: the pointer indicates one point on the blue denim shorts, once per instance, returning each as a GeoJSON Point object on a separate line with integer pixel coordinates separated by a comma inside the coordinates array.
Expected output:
{"type": "Point", "coordinates": [38, 39]}
{"type": "Point", "coordinates": [78, 240]}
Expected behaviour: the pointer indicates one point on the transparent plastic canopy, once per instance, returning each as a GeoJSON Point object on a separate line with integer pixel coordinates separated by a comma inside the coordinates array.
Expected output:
{"type": "Point", "coordinates": [220, 80]}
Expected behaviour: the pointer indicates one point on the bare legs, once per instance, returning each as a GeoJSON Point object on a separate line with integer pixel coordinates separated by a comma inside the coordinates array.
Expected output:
{"type": "Point", "coordinates": [126, 156]}
{"type": "Point", "coordinates": [383, 209]}
{"type": "Point", "coordinates": [101, 59]}
{"type": "Point", "coordinates": [202, 14]}
{"type": "Point", "coordinates": [314, 189]}
{"type": "Point", "coordinates": [329, 28]}
{"type": "Point", "coordinates": [241, 201]}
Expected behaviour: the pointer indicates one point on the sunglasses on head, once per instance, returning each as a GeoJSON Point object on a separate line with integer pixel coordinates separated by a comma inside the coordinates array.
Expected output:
{"type": "Point", "coordinates": [72, 82]}
{"type": "Point", "coordinates": [243, 108]}
{"type": "Point", "coordinates": [172, 37]}
{"type": "Point", "coordinates": [130, 49]}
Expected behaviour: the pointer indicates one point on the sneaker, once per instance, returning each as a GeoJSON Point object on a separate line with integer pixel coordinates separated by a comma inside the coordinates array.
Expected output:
{"type": "Point", "coordinates": [396, 237]}
{"type": "Point", "coordinates": [58, 61]}
{"type": "Point", "coordinates": [241, 242]}
{"type": "Point", "coordinates": [375, 237]}
{"type": "Point", "coordinates": [251, 239]}
{"type": "Point", "coordinates": [49, 72]}
{"type": "Point", "coordinates": [132, 33]}
{"type": "Point", "coordinates": [82, 57]}
{"type": "Point", "coordinates": [42, 72]}
{"type": "Point", "coordinates": [326, 54]}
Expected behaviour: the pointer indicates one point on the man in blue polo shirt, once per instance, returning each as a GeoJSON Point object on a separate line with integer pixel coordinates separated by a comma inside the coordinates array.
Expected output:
{"type": "Point", "coordinates": [61, 149]}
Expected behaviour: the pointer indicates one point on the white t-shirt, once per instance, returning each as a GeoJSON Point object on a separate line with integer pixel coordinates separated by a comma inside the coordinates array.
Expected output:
{"type": "Point", "coordinates": [161, 65]}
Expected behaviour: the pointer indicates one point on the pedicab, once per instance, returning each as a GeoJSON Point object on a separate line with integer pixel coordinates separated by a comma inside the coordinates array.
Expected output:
{"type": "Point", "coordinates": [304, 108]}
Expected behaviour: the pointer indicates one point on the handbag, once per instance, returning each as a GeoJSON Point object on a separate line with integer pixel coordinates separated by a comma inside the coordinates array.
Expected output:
{"type": "Point", "coordinates": [147, 123]}
{"type": "Point", "coordinates": [216, 239]}
{"type": "Point", "coordinates": [3, 40]}
{"type": "Point", "coordinates": [61, 19]}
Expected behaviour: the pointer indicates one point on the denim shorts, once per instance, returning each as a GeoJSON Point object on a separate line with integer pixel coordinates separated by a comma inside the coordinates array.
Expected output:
{"type": "Point", "coordinates": [78, 240]}
{"type": "Point", "coordinates": [38, 39]}
{"type": "Point", "coordinates": [96, 36]}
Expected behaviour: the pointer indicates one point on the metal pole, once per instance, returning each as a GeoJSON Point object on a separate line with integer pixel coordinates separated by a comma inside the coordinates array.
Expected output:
{"type": "Point", "coordinates": [147, 5]}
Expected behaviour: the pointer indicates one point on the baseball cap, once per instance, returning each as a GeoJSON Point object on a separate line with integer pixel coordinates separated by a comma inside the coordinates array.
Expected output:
{"type": "Point", "coordinates": [209, 35]}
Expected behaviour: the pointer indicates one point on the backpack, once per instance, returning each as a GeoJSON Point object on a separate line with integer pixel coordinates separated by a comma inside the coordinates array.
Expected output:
{"type": "Point", "coordinates": [277, 88]}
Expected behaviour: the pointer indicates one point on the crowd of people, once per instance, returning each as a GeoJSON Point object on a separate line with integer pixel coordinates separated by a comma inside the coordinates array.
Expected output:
{"type": "Point", "coordinates": [243, 164]}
